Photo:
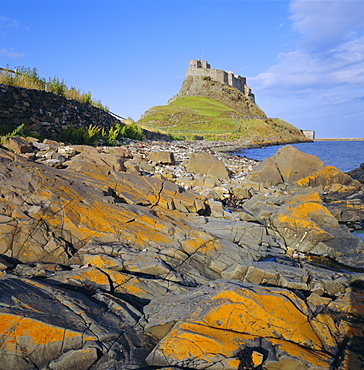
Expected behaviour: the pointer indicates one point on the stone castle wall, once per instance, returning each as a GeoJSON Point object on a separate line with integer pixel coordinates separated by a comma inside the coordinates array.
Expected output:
{"type": "Point", "coordinates": [198, 68]}
{"type": "Point", "coordinates": [215, 74]}
{"type": "Point", "coordinates": [46, 113]}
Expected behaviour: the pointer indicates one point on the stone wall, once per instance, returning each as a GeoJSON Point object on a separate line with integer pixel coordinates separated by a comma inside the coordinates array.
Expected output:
{"type": "Point", "coordinates": [198, 68]}
{"type": "Point", "coordinates": [46, 113]}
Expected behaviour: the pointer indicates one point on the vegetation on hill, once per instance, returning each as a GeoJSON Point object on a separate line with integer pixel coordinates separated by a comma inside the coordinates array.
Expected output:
{"type": "Point", "coordinates": [197, 116]}
{"type": "Point", "coordinates": [212, 110]}
{"type": "Point", "coordinates": [223, 93]}
{"type": "Point", "coordinates": [29, 78]}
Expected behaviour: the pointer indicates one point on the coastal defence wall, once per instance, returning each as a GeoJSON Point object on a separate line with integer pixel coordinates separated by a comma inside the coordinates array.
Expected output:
{"type": "Point", "coordinates": [46, 113]}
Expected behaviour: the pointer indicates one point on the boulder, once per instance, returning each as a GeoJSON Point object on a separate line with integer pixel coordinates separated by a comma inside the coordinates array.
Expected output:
{"type": "Point", "coordinates": [132, 166]}
{"type": "Point", "coordinates": [162, 157]}
{"type": "Point", "coordinates": [18, 145]}
{"type": "Point", "coordinates": [294, 164]}
{"type": "Point", "coordinates": [121, 151]}
{"type": "Point", "coordinates": [307, 226]}
{"type": "Point", "coordinates": [107, 161]}
{"type": "Point", "coordinates": [329, 175]}
{"type": "Point", "coordinates": [207, 164]}
{"type": "Point", "coordinates": [266, 172]}
{"type": "Point", "coordinates": [288, 164]}
{"type": "Point", "coordinates": [358, 173]}
{"type": "Point", "coordinates": [347, 210]}
{"type": "Point", "coordinates": [67, 151]}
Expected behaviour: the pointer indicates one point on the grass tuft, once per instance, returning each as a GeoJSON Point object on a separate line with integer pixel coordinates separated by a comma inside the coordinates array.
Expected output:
{"type": "Point", "coordinates": [30, 79]}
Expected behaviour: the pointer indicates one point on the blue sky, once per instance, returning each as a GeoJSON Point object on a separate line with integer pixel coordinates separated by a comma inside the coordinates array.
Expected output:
{"type": "Point", "coordinates": [304, 60]}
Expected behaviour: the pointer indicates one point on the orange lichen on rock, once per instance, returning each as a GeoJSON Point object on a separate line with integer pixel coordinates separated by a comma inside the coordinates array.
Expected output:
{"type": "Point", "coordinates": [301, 224]}
{"type": "Point", "coordinates": [124, 283]}
{"type": "Point", "coordinates": [308, 209]}
{"type": "Point", "coordinates": [316, 359]}
{"type": "Point", "coordinates": [198, 241]}
{"type": "Point", "coordinates": [189, 341]}
{"type": "Point", "coordinates": [227, 320]}
{"type": "Point", "coordinates": [251, 312]}
{"type": "Point", "coordinates": [17, 330]}
{"type": "Point", "coordinates": [298, 221]}
{"type": "Point", "coordinates": [306, 197]}
{"type": "Point", "coordinates": [101, 261]}
{"type": "Point", "coordinates": [311, 211]}
{"type": "Point", "coordinates": [91, 274]}
{"type": "Point", "coordinates": [327, 176]}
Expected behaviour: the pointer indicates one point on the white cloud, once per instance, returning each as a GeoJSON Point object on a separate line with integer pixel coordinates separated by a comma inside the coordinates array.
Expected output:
{"type": "Point", "coordinates": [9, 23]}
{"type": "Point", "coordinates": [11, 54]}
{"type": "Point", "coordinates": [329, 52]}
{"type": "Point", "coordinates": [318, 84]}
{"type": "Point", "coordinates": [325, 24]}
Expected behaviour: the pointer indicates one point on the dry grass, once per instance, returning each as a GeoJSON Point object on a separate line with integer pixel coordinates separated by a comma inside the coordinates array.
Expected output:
{"type": "Point", "coordinates": [29, 79]}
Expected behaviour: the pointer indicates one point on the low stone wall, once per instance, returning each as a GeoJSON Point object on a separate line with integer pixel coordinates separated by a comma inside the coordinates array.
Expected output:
{"type": "Point", "coordinates": [46, 113]}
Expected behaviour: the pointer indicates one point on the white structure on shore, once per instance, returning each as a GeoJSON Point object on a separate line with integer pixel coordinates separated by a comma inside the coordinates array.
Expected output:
{"type": "Point", "coordinates": [309, 133]}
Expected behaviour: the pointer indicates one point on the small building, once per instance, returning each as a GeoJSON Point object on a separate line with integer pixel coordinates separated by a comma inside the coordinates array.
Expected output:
{"type": "Point", "coordinates": [309, 134]}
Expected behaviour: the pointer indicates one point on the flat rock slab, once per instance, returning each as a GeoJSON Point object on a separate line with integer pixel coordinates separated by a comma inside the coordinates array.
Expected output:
{"type": "Point", "coordinates": [212, 324]}
{"type": "Point", "coordinates": [46, 325]}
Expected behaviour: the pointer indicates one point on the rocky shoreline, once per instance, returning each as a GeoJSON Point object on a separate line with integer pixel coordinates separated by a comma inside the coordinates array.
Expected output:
{"type": "Point", "coordinates": [177, 255]}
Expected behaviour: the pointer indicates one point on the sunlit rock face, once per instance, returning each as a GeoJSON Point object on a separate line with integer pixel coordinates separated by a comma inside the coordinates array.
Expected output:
{"type": "Point", "coordinates": [105, 265]}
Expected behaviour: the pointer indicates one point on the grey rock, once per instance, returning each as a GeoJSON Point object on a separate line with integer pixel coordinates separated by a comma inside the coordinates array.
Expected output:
{"type": "Point", "coordinates": [207, 164]}
{"type": "Point", "coordinates": [18, 145]}
{"type": "Point", "coordinates": [162, 157]}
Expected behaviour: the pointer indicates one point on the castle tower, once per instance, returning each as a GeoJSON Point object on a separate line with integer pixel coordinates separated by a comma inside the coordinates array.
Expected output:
{"type": "Point", "coordinates": [201, 68]}
{"type": "Point", "coordinates": [197, 63]}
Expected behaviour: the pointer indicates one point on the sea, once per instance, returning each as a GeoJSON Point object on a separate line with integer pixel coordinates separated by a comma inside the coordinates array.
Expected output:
{"type": "Point", "coordinates": [345, 155]}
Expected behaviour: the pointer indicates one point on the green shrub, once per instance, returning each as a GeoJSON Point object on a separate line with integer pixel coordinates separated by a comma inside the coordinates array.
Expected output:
{"type": "Point", "coordinates": [114, 134]}
{"type": "Point", "coordinates": [82, 135]}
{"type": "Point", "coordinates": [87, 98]}
{"type": "Point", "coordinates": [56, 86]}
{"type": "Point", "coordinates": [118, 131]}
{"type": "Point", "coordinates": [91, 134]}
{"type": "Point", "coordinates": [132, 131]}
{"type": "Point", "coordinates": [177, 137]}
{"type": "Point", "coordinates": [98, 104]}
{"type": "Point", "coordinates": [15, 132]}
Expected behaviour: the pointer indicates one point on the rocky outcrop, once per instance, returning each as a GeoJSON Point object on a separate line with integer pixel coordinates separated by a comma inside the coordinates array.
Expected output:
{"type": "Point", "coordinates": [192, 328]}
{"type": "Point", "coordinates": [358, 173]}
{"type": "Point", "coordinates": [287, 165]}
{"type": "Point", "coordinates": [118, 258]}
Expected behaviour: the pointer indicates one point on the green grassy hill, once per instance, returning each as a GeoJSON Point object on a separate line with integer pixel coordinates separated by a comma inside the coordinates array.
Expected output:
{"type": "Point", "coordinates": [211, 110]}
{"type": "Point", "coordinates": [191, 117]}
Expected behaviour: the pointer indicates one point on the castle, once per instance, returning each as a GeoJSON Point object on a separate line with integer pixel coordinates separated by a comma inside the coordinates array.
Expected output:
{"type": "Point", "coordinates": [200, 68]}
